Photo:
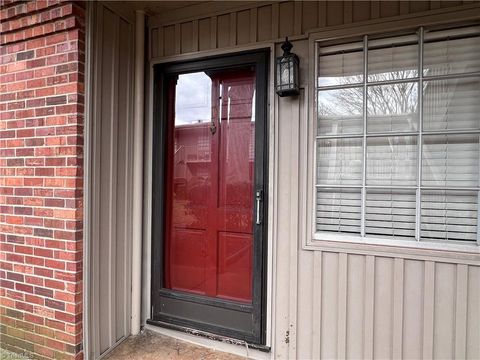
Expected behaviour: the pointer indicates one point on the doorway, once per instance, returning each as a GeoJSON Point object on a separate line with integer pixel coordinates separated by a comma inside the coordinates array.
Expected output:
{"type": "Point", "coordinates": [209, 213]}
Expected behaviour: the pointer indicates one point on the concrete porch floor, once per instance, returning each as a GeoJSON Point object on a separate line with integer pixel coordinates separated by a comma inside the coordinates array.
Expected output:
{"type": "Point", "coordinates": [149, 346]}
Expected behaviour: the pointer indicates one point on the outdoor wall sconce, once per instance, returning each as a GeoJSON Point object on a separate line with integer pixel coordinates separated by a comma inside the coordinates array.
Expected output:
{"type": "Point", "coordinates": [287, 72]}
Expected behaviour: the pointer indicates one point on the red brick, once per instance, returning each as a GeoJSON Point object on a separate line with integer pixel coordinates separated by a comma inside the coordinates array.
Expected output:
{"type": "Point", "coordinates": [34, 318]}
{"type": "Point", "coordinates": [41, 149]}
{"type": "Point", "coordinates": [24, 287]}
{"type": "Point", "coordinates": [36, 300]}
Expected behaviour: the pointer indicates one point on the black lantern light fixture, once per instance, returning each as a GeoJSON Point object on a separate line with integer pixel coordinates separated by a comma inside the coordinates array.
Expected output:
{"type": "Point", "coordinates": [287, 83]}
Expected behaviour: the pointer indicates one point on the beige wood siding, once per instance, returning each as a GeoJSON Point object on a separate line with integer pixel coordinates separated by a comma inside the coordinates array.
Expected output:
{"type": "Point", "coordinates": [271, 21]}
{"type": "Point", "coordinates": [338, 303]}
{"type": "Point", "coordinates": [382, 307]}
{"type": "Point", "coordinates": [111, 180]}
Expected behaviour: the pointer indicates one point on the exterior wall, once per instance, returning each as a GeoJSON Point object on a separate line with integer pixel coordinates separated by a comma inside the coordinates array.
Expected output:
{"type": "Point", "coordinates": [110, 144]}
{"type": "Point", "coordinates": [186, 32]}
{"type": "Point", "coordinates": [41, 145]}
{"type": "Point", "coordinates": [335, 301]}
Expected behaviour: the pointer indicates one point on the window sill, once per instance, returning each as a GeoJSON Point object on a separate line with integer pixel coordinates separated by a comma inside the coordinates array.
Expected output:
{"type": "Point", "coordinates": [447, 252]}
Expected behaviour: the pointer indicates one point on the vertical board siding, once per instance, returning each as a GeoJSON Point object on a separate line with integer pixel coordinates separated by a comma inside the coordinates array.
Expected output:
{"type": "Point", "coordinates": [413, 309]}
{"type": "Point", "coordinates": [305, 305]}
{"type": "Point", "coordinates": [243, 27]}
{"type": "Point", "coordinates": [106, 156]}
{"type": "Point", "coordinates": [309, 15]}
{"type": "Point", "coordinates": [204, 41]}
{"type": "Point", "coordinates": [264, 23]}
{"type": "Point", "coordinates": [277, 20]}
{"type": "Point", "coordinates": [362, 295]}
{"type": "Point", "coordinates": [383, 313]}
{"type": "Point", "coordinates": [329, 324]}
{"type": "Point", "coordinates": [169, 40]}
{"type": "Point", "coordinates": [335, 13]}
{"type": "Point", "coordinates": [186, 42]}
{"type": "Point", "coordinates": [444, 311]}
{"type": "Point", "coordinates": [112, 147]}
{"type": "Point", "coordinates": [286, 19]}
{"type": "Point", "coordinates": [223, 30]}
{"type": "Point", "coordinates": [355, 311]}
{"type": "Point", "coordinates": [346, 305]}
{"type": "Point", "coordinates": [473, 311]}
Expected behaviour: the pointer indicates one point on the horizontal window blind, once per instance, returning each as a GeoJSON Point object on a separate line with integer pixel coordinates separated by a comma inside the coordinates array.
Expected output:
{"type": "Point", "coordinates": [339, 210]}
{"type": "Point", "coordinates": [390, 213]}
{"type": "Point", "coordinates": [449, 215]}
{"type": "Point", "coordinates": [398, 136]}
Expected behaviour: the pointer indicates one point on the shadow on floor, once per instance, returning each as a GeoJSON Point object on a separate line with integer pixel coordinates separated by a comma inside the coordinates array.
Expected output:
{"type": "Point", "coordinates": [149, 346]}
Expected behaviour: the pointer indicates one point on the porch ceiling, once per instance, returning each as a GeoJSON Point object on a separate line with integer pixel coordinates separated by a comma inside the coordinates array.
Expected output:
{"type": "Point", "coordinates": [168, 11]}
{"type": "Point", "coordinates": [159, 7]}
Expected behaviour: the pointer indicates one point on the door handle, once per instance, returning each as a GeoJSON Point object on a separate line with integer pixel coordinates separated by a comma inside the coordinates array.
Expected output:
{"type": "Point", "coordinates": [258, 199]}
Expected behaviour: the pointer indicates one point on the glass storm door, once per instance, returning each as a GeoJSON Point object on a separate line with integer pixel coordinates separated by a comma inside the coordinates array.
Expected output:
{"type": "Point", "coordinates": [212, 254]}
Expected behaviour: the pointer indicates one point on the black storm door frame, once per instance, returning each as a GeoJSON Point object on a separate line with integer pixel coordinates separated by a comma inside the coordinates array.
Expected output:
{"type": "Point", "coordinates": [186, 311]}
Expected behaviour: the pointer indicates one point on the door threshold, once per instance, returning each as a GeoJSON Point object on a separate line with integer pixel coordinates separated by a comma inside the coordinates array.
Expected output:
{"type": "Point", "coordinates": [209, 340]}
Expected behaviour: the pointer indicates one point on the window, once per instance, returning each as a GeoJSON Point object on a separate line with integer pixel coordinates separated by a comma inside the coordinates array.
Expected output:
{"type": "Point", "coordinates": [397, 137]}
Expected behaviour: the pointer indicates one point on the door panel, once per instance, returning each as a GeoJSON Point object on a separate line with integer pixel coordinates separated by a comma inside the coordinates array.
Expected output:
{"type": "Point", "coordinates": [208, 250]}
{"type": "Point", "coordinates": [210, 180]}
{"type": "Point", "coordinates": [235, 266]}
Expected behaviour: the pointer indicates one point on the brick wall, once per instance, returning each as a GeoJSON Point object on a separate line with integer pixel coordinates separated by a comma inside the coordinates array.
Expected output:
{"type": "Point", "coordinates": [41, 164]}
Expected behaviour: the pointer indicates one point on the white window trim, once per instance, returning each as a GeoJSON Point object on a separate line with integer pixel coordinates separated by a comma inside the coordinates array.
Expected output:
{"type": "Point", "coordinates": [441, 250]}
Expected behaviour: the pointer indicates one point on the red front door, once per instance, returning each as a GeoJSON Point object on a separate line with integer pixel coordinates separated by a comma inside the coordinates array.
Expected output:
{"type": "Point", "coordinates": [210, 184]}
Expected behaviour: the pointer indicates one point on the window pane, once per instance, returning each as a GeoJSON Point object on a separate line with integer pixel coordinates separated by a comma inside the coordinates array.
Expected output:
{"type": "Point", "coordinates": [339, 161]}
{"type": "Point", "coordinates": [451, 104]}
{"type": "Point", "coordinates": [393, 63]}
{"type": "Point", "coordinates": [390, 213]}
{"type": "Point", "coordinates": [449, 215]}
{"type": "Point", "coordinates": [451, 56]}
{"type": "Point", "coordinates": [340, 111]}
{"type": "Point", "coordinates": [339, 210]}
{"type": "Point", "coordinates": [392, 160]}
{"type": "Point", "coordinates": [450, 160]}
{"type": "Point", "coordinates": [340, 69]}
{"type": "Point", "coordinates": [392, 107]}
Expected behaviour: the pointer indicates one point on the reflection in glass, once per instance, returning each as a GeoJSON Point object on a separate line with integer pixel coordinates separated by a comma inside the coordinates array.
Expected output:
{"type": "Point", "coordinates": [451, 56]}
{"type": "Point", "coordinates": [340, 69]}
{"type": "Point", "coordinates": [451, 104]}
{"type": "Point", "coordinates": [392, 107]}
{"type": "Point", "coordinates": [340, 161]}
{"type": "Point", "coordinates": [393, 63]}
{"type": "Point", "coordinates": [450, 160]}
{"type": "Point", "coordinates": [340, 111]}
{"type": "Point", "coordinates": [193, 99]}
{"type": "Point", "coordinates": [209, 185]}
{"type": "Point", "coordinates": [392, 160]}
